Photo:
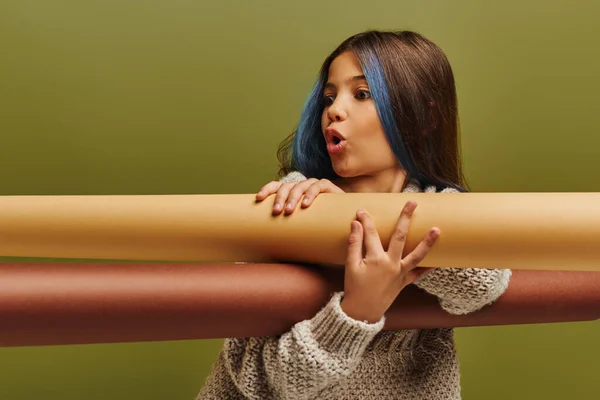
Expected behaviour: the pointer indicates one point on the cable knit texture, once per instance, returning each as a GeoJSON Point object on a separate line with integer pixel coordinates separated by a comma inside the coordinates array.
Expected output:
{"type": "Point", "coordinates": [333, 356]}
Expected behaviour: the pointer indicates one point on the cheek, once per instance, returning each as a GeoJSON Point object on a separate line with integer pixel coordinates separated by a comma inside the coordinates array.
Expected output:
{"type": "Point", "coordinates": [372, 128]}
{"type": "Point", "coordinates": [378, 145]}
{"type": "Point", "coordinates": [324, 121]}
{"type": "Point", "coordinates": [370, 120]}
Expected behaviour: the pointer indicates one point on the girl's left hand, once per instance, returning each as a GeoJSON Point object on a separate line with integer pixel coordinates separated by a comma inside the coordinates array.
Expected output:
{"type": "Point", "coordinates": [289, 194]}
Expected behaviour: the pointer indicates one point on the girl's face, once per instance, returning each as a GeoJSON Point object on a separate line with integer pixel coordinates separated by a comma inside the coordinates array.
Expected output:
{"type": "Point", "coordinates": [355, 138]}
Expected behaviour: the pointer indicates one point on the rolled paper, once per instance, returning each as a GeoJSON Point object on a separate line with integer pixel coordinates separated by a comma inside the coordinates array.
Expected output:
{"type": "Point", "coordinates": [60, 304]}
{"type": "Point", "coordinates": [529, 231]}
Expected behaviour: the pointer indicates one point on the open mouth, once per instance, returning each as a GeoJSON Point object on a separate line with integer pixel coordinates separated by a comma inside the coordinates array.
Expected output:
{"type": "Point", "coordinates": [335, 142]}
{"type": "Point", "coordinates": [333, 136]}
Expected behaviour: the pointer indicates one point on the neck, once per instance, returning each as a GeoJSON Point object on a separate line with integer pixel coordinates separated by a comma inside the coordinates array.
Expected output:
{"type": "Point", "coordinates": [387, 181]}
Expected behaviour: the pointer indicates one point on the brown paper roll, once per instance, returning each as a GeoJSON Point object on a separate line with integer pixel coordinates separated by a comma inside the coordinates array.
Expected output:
{"type": "Point", "coordinates": [52, 304]}
{"type": "Point", "coordinates": [552, 231]}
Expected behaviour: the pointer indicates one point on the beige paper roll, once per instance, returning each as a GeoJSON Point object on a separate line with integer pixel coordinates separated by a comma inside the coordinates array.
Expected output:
{"type": "Point", "coordinates": [552, 231]}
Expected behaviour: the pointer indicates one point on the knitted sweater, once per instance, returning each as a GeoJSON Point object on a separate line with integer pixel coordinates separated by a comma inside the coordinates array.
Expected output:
{"type": "Point", "coordinates": [333, 356]}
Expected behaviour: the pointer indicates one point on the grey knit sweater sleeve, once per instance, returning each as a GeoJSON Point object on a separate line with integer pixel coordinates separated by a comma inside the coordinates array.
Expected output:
{"type": "Point", "coordinates": [300, 363]}
{"type": "Point", "coordinates": [464, 290]}
{"type": "Point", "coordinates": [293, 177]}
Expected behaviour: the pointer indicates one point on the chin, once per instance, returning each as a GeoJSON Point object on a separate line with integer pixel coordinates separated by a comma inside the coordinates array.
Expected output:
{"type": "Point", "coordinates": [344, 172]}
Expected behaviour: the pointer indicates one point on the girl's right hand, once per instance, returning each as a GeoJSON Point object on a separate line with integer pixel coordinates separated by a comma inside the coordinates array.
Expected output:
{"type": "Point", "coordinates": [289, 194]}
{"type": "Point", "coordinates": [373, 276]}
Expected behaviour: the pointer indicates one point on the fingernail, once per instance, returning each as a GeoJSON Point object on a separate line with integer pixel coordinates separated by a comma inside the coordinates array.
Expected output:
{"type": "Point", "coordinates": [289, 206]}
{"type": "Point", "coordinates": [277, 207]}
{"type": "Point", "coordinates": [305, 201]}
{"type": "Point", "coordinates": [360, 211]}
{"type": "Point", "coordinates": [435, 234]}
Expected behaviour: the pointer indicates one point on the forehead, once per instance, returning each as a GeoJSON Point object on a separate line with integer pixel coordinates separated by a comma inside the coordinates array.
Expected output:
{"type": "Point", "coordinates": [344, 66]}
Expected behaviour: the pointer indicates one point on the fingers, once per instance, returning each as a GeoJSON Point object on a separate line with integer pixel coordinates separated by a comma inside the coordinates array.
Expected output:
{"type": "Point", "coordinates": [296, 193]}
{"type": "Point", "coordinates": [289, 194]}
{"type": "Point", "coordinates": [320, 186]}
{"type": "Point", "coordinates": [398, 239]}
{"type": "Point", "coordinates": [282, 196]}
{"type": "Point", "coordinates": [268, 190]}
{"type": "Point", "coordinates": [355, 245]}
{"type": "Point", "coordinates": [418, 254]}
{"type": "Point", "coordinates": [371, 238]}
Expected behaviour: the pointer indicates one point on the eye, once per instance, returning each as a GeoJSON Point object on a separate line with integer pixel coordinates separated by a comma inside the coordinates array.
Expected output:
{"type": "Point", "coordinates": [363, 94]}
{"type": "Point", "coordinates": [328, 100]}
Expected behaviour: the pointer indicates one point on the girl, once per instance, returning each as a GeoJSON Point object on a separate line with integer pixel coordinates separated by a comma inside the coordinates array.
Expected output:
{"type": "Point", "coordinates": [382, 117]}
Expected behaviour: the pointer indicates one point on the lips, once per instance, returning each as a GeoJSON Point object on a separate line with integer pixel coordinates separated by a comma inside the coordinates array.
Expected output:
{"type": "Point", "coordinates": [335, 141]}
{"type": "Point", "coordinates": [333, 136]}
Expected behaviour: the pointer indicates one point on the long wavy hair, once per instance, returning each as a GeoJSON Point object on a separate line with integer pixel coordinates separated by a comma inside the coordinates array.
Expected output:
{"type": "Point", "coordinates": [412, 85]}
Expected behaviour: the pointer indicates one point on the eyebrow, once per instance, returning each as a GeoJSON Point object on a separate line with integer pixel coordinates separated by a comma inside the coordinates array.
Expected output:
{"type": "Point", "coordinates": [330, 85]}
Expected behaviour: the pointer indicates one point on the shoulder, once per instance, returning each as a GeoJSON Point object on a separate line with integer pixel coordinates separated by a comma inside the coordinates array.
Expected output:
{"type": "Point", "coordinates": [415, 187]}
{"type": "Point", "coordinates": [294, 176]}
{"type": "Point", "coordinates": [449, 190]}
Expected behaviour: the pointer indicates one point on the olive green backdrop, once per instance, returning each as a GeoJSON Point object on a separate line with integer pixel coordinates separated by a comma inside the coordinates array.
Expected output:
{"type": "Point", "coordinates": [182, 96]}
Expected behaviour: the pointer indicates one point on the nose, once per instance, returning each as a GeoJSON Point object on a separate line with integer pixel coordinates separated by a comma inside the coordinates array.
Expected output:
{"type": "Point", "coordinates": [336, 112]}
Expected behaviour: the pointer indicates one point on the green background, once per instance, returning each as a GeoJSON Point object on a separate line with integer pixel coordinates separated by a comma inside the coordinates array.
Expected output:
{"type": "Point", "coordinates": [182, 96]}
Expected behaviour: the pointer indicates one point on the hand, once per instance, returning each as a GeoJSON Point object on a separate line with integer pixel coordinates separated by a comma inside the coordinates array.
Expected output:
{"type": "Point", "coordinates": [290, 193]}
{"type": "Point", "coordinates": [372, 282]}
